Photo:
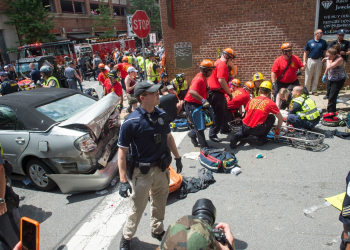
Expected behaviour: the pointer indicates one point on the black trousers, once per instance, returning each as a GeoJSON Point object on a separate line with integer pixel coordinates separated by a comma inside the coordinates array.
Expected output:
{"type": "Point", "coordinates": [334, 88]}
{"type": "Point", "coordinates": [261, 130]}
{"type": "Point", "coordinates": [10, 229]}
{"type": "Point", "coordinates": [288, 86]}
{"type": "Point", "coordinates": [83, 72]}
{"type": "Point", "coordinates": [218, 103]}
{"type": "Point", "coordinates": [195, 133]}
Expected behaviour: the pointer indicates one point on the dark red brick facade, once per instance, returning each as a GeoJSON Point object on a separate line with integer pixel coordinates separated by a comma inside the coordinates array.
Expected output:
{"type": "Point", "coordinates": [255, 29]}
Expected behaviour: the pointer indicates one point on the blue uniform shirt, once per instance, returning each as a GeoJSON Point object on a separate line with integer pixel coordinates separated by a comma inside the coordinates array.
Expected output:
{"type": "Point", "coordinates": [35, 75]}
{"type": "Point", "coordinates": [139, 132]}
{"type": "Point", "coordinates": [4, 86]}
{"type": "Point", "coordinates": [316, 48]}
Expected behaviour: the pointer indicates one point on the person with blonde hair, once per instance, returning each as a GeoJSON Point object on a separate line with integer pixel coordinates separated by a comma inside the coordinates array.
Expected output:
{"type": "Point", "coordinates": [283, 98]}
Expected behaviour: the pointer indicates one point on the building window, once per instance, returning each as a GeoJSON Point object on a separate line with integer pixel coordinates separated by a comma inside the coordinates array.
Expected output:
{"type": "Point", "coordinates": [332, 16]}
{"type": "Point", "coordinates": [123, 10]}
{"type": "Point", "coordinates": [67, 6]}
{"type": "Point", "coordinates": [94, 7]}
{"type": "Point", "coordinates": [78, 7]}
{"type": "Point", "coordinates": [48, 5]}
{"type": "Point", "coordinates": [116, 9]}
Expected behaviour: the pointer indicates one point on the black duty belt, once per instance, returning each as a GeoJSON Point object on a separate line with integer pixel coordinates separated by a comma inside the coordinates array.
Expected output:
{"type": "Point", "coordinates": [314, 58]}
{"type": "Point", "coordinates": [150, 164]}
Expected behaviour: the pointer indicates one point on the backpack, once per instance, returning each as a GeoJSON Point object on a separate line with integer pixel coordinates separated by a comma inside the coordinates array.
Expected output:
{"type": "Point", "coordinates": [179, 125]}
{"type": "Point", "coordinates": [217, 160]}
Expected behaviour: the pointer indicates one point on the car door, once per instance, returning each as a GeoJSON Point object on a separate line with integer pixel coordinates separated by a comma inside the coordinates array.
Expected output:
{"type": "Point", "coordinates": [14, 137]}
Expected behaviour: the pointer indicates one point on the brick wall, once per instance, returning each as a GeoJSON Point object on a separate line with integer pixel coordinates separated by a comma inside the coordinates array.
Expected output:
{"type": "Point", "coordinates": [255, 29]}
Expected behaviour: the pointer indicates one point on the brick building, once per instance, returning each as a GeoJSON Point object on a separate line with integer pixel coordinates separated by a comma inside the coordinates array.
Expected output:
{"type": "Point", "coordinates": [255, 29]}
{"type": "Point", "coordinates": [72, 21]}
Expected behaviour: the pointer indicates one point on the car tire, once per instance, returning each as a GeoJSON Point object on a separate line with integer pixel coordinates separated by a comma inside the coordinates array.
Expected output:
{"type": "Point", "coordinates": [37, 171]}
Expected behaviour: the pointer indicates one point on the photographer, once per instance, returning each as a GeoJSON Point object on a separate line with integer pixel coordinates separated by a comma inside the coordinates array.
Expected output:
{"type": "Point", "coordinates": [195, 231]}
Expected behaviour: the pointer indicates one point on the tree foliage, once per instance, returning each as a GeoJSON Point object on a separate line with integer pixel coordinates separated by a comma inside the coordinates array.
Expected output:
{"type": "Point", "coordinates": [104, 21]}
{"type": "Point", "coordinates": [31, 19]}
{"type": "Point", "coordinates": [151, 7]}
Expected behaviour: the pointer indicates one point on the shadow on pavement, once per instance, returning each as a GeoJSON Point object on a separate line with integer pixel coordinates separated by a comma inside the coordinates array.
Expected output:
{"type": "Point", "coordinates": [137, 244]}
{"type": "Point", "coordinates": [35, 213]}
{"type": "Point", "coordinates": [172, 198]}
{"type": "Point", "coordinates": [239, 244]}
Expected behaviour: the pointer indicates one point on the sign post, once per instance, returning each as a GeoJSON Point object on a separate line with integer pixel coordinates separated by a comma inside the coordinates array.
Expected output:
{"type": "Point", "coordinates": [141, 27]}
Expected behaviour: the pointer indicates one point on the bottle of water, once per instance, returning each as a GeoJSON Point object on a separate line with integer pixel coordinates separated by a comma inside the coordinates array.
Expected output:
{"type": "Point", "coordinates": [114, 181]}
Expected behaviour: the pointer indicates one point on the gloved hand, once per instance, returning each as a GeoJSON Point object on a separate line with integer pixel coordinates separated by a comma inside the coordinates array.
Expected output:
{"type": "Point", "coordinates": [298, 73]}
{"type": "Point", "coordinates": [178, 165]}
{"type": "Point", "coordinates": [324, 77]}
{"type": "Point", "coordinates": [274, 84]}
{"type": "Point", "coordinates": [123, 189]}
{"type": "Point", "coordinates": [119, 107]}
{"type": "Point", "coordinates": [206, 104]}
{"type": "Point", "coordinates": [230, 96]}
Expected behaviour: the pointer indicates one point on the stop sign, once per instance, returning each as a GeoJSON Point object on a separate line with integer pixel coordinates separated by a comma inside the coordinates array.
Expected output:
{"type": "Point", "coordinates": [141, 24]}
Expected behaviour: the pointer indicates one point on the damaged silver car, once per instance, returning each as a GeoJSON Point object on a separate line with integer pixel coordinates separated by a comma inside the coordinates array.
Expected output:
{"type": "Point", "coordinates": [61, 137]}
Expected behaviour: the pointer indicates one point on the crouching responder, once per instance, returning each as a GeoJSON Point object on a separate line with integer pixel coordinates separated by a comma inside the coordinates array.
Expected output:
{"type": "Point", "coordinates": [72, 76]}
{"type": "Point", "coordinates": [7, 86]}
{"type": "Point", "coordinates": [303, 112]}
{"type": "Point", "coordinates": [258, 120]}
{"type": "Point", "coordinates": [258, 78]}
{"type": "Point", "coordinates": [180, 85]}
{"type": "Point", "coordinates": [147, 132]}
{"type": "Point", "coordinates": [196, 97]}
{"type": "Point", "coordinates": [49, 81]}
{"type": "Point", "coordinates": [240, 97]}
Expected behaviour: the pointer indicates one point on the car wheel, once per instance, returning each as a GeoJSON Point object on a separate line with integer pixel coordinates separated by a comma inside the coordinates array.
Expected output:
{"type": "Point", "coordinates": [37, 171]}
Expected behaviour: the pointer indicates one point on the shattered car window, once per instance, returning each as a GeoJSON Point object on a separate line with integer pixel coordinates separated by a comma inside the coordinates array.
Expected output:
{"type": "Point", "coordinates": [66, 108]}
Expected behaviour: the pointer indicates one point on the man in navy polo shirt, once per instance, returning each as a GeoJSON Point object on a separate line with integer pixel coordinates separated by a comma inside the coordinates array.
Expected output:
{"type": "Point", "coordinates": [313, 53]}
{"type": "Point", "coordinates": [34, 74]}
{"type": "Point", "coordinates": [147, 132]}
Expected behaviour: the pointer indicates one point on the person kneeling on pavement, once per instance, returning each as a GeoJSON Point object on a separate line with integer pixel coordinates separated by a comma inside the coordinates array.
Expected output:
{"type": "Point", "coordinates": [258, 120]}
{"type": "Point", "coordinates": [303, 111]}
{"type": "Point", "coordinates": [196, 97]}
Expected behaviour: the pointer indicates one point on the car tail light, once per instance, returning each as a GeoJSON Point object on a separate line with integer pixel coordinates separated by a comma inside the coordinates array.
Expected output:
{"type": "Point", "coordinates": [85, 143]}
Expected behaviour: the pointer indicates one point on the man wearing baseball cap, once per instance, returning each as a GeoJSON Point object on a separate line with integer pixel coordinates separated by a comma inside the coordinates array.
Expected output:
{"type": "Point", "coordinates": [7, 86]}
{"type": "Point", "coordinates": [147, 133]}
{"type": "Point", "coordinates": [344, 52]}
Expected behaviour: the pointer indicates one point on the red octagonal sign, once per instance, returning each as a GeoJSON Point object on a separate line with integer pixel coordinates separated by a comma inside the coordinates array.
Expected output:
{"type": "Point", "coordinates": [141, 24]}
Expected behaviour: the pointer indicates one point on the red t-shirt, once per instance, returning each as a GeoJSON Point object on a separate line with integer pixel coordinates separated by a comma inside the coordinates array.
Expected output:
{"type": "Point", "coordinates": [239, 97]}
{"type": "Point", "coordinates": [123, 67]}
{"type": "Point", "coordinates": [258, 109]}
{"type": "Point", "coordinates": [221, 71]}
{"type": "Point", "coordinates": [103, 76]}
{"type": "Point", "coordinates": [117, 87]}
{"type": "Point", "coordinates": [199, 84]}
{"type": "Point", "coordinates": [291, 74]}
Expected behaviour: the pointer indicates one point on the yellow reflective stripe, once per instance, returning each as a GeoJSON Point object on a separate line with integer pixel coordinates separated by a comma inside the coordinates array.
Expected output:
{"type": "Point", "coordinates": [1, 150]}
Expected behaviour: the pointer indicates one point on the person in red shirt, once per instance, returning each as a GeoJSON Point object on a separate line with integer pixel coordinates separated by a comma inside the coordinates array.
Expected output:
{"type": "Point", "coordinates": [218, 87]}
{"type": "Point", "coordinates": [123, 67]}
{"type": "Point", "coordinates": [240, 97]}
{"type": "Point", "coordinates": [196, 97]}
{"type": "Point", "coordinates": [112, 85]}
{"type": "Point", "coordinates": [282, 77]}
{"type": "Point", "coordinates": [258, 120]}
{"type": "Point", "coordinates": [102, 76]}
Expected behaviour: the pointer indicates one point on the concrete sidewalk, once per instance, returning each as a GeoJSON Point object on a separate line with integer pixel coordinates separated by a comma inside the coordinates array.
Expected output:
{"type": "Point", "coordinates": [322, 103]}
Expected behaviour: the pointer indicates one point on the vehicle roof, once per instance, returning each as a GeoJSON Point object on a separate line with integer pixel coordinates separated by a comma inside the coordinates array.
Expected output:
{"type": "Point", "coordinates": [35, 59]}
{"type": "Point", "coordinates": [24, 103]}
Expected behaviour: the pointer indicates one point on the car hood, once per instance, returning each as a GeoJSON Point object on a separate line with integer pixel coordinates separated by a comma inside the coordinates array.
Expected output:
{"type": "Point", "coordinates": [95, 116]}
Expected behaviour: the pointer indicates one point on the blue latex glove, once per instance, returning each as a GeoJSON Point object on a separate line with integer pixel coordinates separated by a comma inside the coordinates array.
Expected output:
{"type": "Point", "coordinates": [324, 78]}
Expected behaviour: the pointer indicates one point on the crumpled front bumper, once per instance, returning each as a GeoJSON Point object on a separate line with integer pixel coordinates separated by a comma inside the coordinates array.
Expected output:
{"type": "Point", "coordinates": [87, 182]}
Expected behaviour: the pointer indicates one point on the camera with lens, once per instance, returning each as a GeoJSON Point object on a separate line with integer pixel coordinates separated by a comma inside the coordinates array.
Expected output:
{"type": "Point", "coordinates": [205, 210]}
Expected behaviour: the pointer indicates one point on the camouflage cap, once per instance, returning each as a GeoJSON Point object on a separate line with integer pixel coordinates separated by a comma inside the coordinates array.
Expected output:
{"type": "Point", "coordinates": [189, 232]}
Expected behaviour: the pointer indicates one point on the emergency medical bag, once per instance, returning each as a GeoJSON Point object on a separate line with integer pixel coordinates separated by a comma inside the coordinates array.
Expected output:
{"type": "Point", "coordinates": [179, 125]}
{"type": "Point", "coordinates": [203, 118]}
{"type": "Point", "coordinates": [217, 160]}
{"type": "Point", "coordinates": [330, 119]}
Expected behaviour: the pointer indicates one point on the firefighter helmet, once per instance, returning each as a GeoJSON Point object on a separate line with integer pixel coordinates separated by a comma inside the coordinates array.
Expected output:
{"type": "Point", "coordinates": [249, 85]}
{"type": "Point", "coordinates": [236, 82]}
{"type": "Point", "coordinates": [257, 77]}
{"type": "Point", "coordinates": [286, 46]}
{"type": "Point", "coordinates": [101, 66]}
{"type": "Point", "coordinates": [207, 64]}
{"type": "Point", "coordinates": [230, 52]}
{"type": "Point", "coordinates": [266, 85]}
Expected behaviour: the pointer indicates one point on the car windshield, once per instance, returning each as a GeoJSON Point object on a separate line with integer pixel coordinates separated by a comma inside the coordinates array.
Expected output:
{"type": "Point", "coordinates": [85, 49]}
{"type": "Point", "coordinates": [66, 108]}
{"type": "Point", "coordinates": [24, 69]}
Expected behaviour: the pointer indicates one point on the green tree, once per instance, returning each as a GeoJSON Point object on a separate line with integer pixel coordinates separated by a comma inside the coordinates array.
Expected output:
{"type": "Point", "coordinates": [104, 21]}
{"type": "Point", "coordinates": [31, 19]}
{"type": "Point", "coordinates": [151, 7]}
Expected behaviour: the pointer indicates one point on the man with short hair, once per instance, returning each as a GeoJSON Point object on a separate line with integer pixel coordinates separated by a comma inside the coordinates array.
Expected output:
{"type": "Point", "coordinates": [34, 74]}
{"type": "Point", "coordinates": [303, 112]}
{"type": "Point", "coordinates": [259, 118]}
{"type": "Point", "coordinates": [123, 68]}
{"type": "Point", "coordinates": [95, 62]}
{"type": "Point", "coordinates": [147, 133]}
{"type": "Point", "coordinates": [170, 104]}
{"type": "Point", "coordinates": [82, 66]}
{"type": "Point", "coordinates": [313, 53]}
{"type": "Point", "coordinates": [72, 76]}
{"type": "Point", "coordinates": [7, 86]}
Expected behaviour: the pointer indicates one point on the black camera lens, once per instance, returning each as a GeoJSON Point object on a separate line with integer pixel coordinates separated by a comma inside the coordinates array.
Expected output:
{"type": "Point", "coordinates": [205, 210]}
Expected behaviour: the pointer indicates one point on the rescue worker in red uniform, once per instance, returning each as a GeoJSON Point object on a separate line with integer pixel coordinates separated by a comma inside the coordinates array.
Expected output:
{"type": "Point", "coordinates": [285, 69]}
{"type": "Point", "coordinates": [258, 120]}
{"type": "Point", "coordinates": [112, 85]}
{"type": "Point", "coordinates": [218, 88]}
{"type": "Point", "coordinates": [123, 67]}
{"type": "Point", "coordinates": [240, 97]}
{"type": "Point", "coordinates": [196, 97]}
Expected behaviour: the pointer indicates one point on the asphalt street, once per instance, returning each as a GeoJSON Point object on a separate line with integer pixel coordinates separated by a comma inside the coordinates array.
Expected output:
{"type": "Point", "coordinates": [263, 205]}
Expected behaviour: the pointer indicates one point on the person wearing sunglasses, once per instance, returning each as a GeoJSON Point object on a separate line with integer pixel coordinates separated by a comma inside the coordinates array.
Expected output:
{"type": "Point", "coordinates": [314, 51]}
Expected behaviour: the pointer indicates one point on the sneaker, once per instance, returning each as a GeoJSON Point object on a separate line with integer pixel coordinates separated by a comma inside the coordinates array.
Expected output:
{"type": "Point", "coordinates": [158, 236]}
{"type": "Point", "coordinates": [233, 142]}
{"type": "Point", "coordinates": [325, 97]}
{"type": "Point", "coordinates": [193, 140]}
{"type": "Point", "coordinates": [124, 244]}
{"type": "Point", "coordinates": [214, 138]}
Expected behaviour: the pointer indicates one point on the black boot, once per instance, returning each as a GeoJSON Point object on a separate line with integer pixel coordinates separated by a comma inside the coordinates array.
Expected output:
{"type": "Point", "coordinates": [158, 236]}
{"type": "Point", "coordinates": [124, 244]}
{"type": "Point", "coordinates": [193, 140]}
{"type": "Point", "coordinates": [233, 142]}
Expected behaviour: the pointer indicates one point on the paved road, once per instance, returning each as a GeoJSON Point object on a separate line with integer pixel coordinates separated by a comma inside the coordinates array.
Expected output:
{"type": "Point", "coordinates": [264, 204]}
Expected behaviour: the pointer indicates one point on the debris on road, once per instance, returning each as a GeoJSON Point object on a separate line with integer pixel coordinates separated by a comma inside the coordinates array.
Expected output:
{"type": "Point", "coordinates": [236, 170]}
{"type": "Point", "coordinates": [26, 181]}
{"type": "Point", "coordinates": [310, 210]}
{"type": "Point", "coordinates": [102, 192]}
{"type": "Point", "coordinates": [192, 155]}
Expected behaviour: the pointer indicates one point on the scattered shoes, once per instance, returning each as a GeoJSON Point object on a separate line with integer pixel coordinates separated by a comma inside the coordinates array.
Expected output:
{"type": "Point", "coordinates": [214, 138]}
{"type": "Point", "coordinates": [158, 236]}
